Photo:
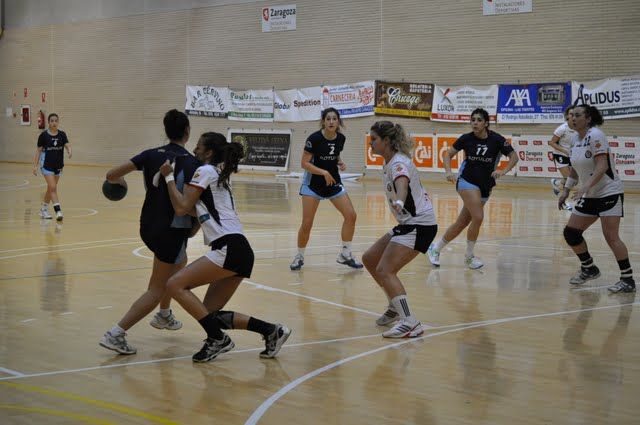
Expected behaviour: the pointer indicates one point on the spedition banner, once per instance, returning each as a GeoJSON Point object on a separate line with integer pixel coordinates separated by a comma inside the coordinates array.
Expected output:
{"type": "Point", "coordinates": [455, 103]}
{"type": "Point", "coordinates": [533, 103]}
{"type": "Point", "coordinates": [297, 104]}
{"type": "Point", "coordinates": [614, 97]}
{"type": "Point", "coordinates": [402, 99]}
{"type": "Point", "coordinates": [207, 101]}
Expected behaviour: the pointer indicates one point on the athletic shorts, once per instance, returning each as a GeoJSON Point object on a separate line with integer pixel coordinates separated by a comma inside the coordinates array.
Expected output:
{"type": "Point", "coordinates": [561, 160]}
{"type": "Point", "coordinates": [415, 236]}
{"type": "Point", "coordinates": [232, 252]}
{"type": "Point", "coordinates": [47, 172]}
{"type": "Point", "coordinates": [305, 190]}
{"type": "Point", "coordinates": [609, 206]}
{"type": "Point", "coordinates": [168, 245]}
{"type": "Point", "coordinates": [462, 184]}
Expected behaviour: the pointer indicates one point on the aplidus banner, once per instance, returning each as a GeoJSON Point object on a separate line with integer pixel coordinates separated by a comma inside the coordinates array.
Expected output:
{"type": "Point", "coordinates": [207, 101]}
{"type": "Point", "coordinates": [297, 104]}
{"type": "Point", "coordinates": [351, 100]}
{"type": "Point", "coordinates": [455, 103]}
{"type": "Point", "coordinates": [536, 103]}
{"type": "Point", "coordinates": [251, 105]}
{"type": "Point", "coordinates": [614, 97]}
{"type": "Point", "coordinates": [401, 99]}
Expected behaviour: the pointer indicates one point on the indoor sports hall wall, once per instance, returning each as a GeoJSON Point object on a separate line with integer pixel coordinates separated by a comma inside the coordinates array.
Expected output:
{"type": "Point", "coordinates": [112, 75]}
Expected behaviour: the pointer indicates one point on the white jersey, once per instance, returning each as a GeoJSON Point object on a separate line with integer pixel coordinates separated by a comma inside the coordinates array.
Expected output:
{"type": "Point", "coordinates": [417, 206]}
{"type": "Point", "coordinates": [215, 208]}
{"type": "Point", "coordinates": [583, 152]}
{"type": "Point", "coordinates": [565, 134]}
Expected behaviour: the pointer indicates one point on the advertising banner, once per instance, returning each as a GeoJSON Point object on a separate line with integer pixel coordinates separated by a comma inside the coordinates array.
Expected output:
{"type": "Point", "coordinates": [297, 104]}
{"type": "Point", "coordinates": [455, 103]}
{"type": "Point", "coordinates": [371, 161]}
{"type": "Point", "coordinates": [614, 97]}
{"type": "Point", "coordinates": [351, 100]}
{"type": "Point", "coordinates": [412, 100]}
{"type": "Point", "coordinates": [443, 143]}
{"type": "Point", "coordinates": [626, 156]}
{"type": "Point", "coordinates": [207, 101]}
{"type": "Point", "coordinates": [423, 157]}
{"type": "Point", "coordinates": [251, 105]}
{"type": "Point", "coordinates": [265, 149]}
{"type": "Point", "coordinates": [533, 103]}
{"type": "Point", "coordinates": [278, 18]}
{"type": "Point", "coordinates": [505, 7]}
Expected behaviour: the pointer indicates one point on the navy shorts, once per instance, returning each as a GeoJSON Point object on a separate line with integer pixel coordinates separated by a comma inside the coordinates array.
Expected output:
{"type": "Point", "coordinates": [168, 245]}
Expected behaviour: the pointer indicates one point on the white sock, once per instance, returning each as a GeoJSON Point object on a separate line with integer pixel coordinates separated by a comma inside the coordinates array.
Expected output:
{"type": "Point", "coordinates": [116, 330]}
{"type": "Point", "coordinates": [346, 249]}
{"type": "Point", "coordinates": [401, 306]}
{"type": "Point", "coordinates": [440, 244]}
{"type": "Point", "coordinates": [301, 251]}
{"type": "Point", "coordinates": [165, 312]}
{"type": "Point", "coordinates": [470, 245]}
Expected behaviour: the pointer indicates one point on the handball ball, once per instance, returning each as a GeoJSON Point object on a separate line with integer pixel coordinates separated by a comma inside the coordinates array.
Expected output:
{"type": "Point", "coordinates": [114, 191]}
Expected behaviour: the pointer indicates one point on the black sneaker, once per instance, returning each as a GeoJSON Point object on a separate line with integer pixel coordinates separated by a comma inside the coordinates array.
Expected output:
{"type": "Point", "coordinates": [623, 286]}
{"type": "Point", "coordinates": [274, 342]}
{"type": "Point", "coordinates": [212, 348]}
{"type": "Point", "coordinates": [585, 274]}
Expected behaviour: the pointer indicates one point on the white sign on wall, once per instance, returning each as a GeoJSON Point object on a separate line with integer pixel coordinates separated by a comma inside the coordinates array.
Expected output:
{"type": "Point", "coordinates": [505, 7]}
{"type": "Point", "coordinates": [278, 18]}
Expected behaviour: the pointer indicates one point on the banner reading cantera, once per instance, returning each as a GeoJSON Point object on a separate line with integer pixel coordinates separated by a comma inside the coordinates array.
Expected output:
{"type": "Point", "coordinates": [455, 103]}
{"type": "Point", "coordinates": [207, 101]}
{"type": "Point", "coordinates": [402, 99]}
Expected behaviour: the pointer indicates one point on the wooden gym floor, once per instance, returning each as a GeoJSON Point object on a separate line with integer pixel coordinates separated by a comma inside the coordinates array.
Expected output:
{"type": "Point", "coordinates": [509, 343]}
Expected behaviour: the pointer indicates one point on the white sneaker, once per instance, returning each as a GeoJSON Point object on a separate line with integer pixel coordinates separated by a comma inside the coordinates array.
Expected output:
{"type": "Point", "coordinates": [434, 256]}
{"type": "Point", "coordinates": [297, 263]}
{"type": "Point", "coordinates": [170, 322]}
{"type": "Point", "coordinates": [404, 329]}
{"type": "Point", "coordinates": [349, 261]}
{"type": "Point", "coordinates": [473, 262]}
{"type": "Point", "coordinates": [44, 213]}
{"type": "Point", "coordinates": [388, 317]}
{"type": "Point", "coordinates": [116, 343]}
{"type": "Point", "coordinates": [556, 184]}
{"type": "Point", "coordinates": [59, 216]}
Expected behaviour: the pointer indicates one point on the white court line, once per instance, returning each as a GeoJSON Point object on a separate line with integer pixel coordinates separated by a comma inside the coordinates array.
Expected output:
{"type": "Point", "coordinates": [68, 244]}
{"type": "Point", "coordinates": [11, 372]}
{"type": "Point", "coordinates": [589, 288]}
{"type": "Point", "coordinates": [28, 320]}
{"type": "Point", "coordinates": [260, 411]}
{"type": "Point", "coordinates": [69, 249]}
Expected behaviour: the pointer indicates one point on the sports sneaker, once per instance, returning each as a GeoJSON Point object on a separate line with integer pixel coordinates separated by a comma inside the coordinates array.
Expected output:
{"type": "Point", "coordinates": [349, 261]}
{"type": "Point", "coordinates": [297, 263]}
{"type": "Point", "coordinates": [556, 185]}
{"type": "Point", "coordinates": [116, 343]}
{"type": "Point", "coordinates": [585, 274]}
{"type": "Point", "coordinates": [623, 286]}
{"type": "Point", "coordinates": [212, 348]}
{"type": "Point", "coordinates": [274, 342]}
{"type": "Point", "coordinates": [59, 216]}
{"type": "Point", "coordinates": [388, 317]}
{"type": "Point", "coordinates": [170, 322]}
{"type": "Point", "coordinates": [473, 263]}
{"type": "Point", "coordinates": [404, 329]}
{"type": "Point", "coordinates": [44, 213]}
{"type": "Point", "coordinates": [568, 206]}
{"type": "Point", "coordinates": [434, 256]}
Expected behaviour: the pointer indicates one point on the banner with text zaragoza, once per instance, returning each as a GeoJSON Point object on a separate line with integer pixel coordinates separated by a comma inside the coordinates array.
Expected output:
{"type": "Point", "coordinates": [278, 18]}
{"type": "Point", "coordinates": [297, 104]}
{"type": "Point", "coordinates": [614, 97]}
{"type": "Point", "coordinates": [207, 101]}
{"type": "Point", "coordinates": [455, 103]}
{"type": "Point", "coordinates": [266, 149]}
{"type": "Point", "coordinates": [412, 100]}
{"type": "Point", "coordinates": [251, 105]}
{"type": "Point", "coordinates": [351, 100]}
{"type": "Point", "coordinates": [533, 103]}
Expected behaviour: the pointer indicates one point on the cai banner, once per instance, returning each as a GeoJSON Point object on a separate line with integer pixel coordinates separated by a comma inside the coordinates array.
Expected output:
{"type": "Point", "coordinates": [455, 103]}
{"type": "Point", "coordinates": [371, 161]}
{"type": "Point", "coordinates": [614, 97]}
{"type": "Point", "coordinates": [297, 104]}
{"type": "Point", "coordinates": [351, 100]}
{"type": "Point", "coordinates": [533, 103]}
{"type": "Point", "coordinates": [207, 101]}
{"type": "Point", "coordinates": [251, 105]}
{"type": "Point", "coordinates": [400, 99]}
{"type": "Point", "coordinates": [423, 148]}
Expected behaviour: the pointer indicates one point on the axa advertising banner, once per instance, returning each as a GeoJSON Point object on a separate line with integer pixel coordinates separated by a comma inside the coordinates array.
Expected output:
{"type": "Point", "coordinates": [455, 103]}
{"type": "Point", "coordinates": [533, 103]}
{"type": "Point", "coordinates": [614, 97]}
{"type": "Point", "coordinates": [207, 101]}
{"type": "Point", "coordinates": [400, 99]}
{"type": "Point", "coordinates": [251, 105]}
{"type": "Point", "coordinates": [297, 104]}
{"type": "Point", "coordinates": [351, 100]}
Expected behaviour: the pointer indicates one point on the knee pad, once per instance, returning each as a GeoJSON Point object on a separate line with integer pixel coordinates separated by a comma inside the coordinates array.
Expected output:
{"type": "Point", "coordinates": [573, 236]}
{"type": "Point", "coordinates": [224, 319]}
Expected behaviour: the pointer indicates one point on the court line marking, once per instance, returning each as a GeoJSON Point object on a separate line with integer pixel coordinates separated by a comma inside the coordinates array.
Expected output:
{"type": "Point", "coordinates": [61, 413]}
{"type": "Point", "coordinates": [67, 249]}
{"type": "Point", "coordinates": [68, 244]}
{"type": "Point", "coordinates": [10, 371]}
{"type": "Point", "coordinates": [262, 409]}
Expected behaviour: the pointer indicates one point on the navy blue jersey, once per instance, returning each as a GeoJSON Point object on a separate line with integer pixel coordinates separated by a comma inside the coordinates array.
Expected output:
{"type": "Point", "coordinates": [481, 157]}
{"type": "Point", "coordinates": [325, 156]}
{"type": "Point", "coordinates": [53, 149]}
{"type": "Point", "coordinates": [157, 211]}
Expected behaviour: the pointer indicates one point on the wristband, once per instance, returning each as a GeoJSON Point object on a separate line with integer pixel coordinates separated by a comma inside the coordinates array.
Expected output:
{"type": "Point", "coordinates": [169, 178]}
{"type": "Point", "coordinates": [399, 203]}
{"type": "Point", "coordinates": [571, 182]}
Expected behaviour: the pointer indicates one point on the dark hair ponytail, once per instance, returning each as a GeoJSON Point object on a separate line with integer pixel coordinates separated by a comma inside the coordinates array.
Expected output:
{"type": "Point", "coordinates": [229, 154]}
{"type": "Point", "coordinates": [593, 113]}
